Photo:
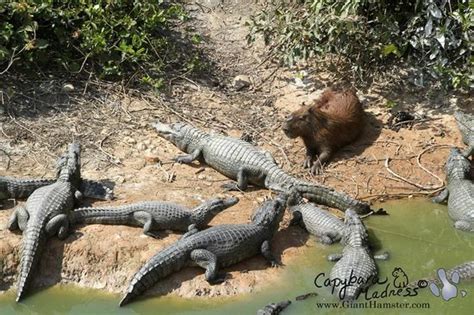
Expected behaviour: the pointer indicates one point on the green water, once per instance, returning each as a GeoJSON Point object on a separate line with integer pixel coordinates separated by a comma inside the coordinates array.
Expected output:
{"type": "Point", "coordinates": [418, 235]}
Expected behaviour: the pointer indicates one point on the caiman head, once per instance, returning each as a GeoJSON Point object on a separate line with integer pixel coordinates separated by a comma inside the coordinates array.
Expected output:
{"type": "Point", "coordinates": [457, 166]}
{"type": "Point", "coordinates": [69, 165]}
{"type": "Point", "coordinates": [270, 213]}
{"type": "Point", "coordinates": [207, 210]}
{"type": "Point", "coordinates": [182, 135]}
{"type": "Point", "coordinates": [355, 233]}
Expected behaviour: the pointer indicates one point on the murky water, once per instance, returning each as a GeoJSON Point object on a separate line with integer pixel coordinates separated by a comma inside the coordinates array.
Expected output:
{"type": "Point", "coordinates": [418, 235]}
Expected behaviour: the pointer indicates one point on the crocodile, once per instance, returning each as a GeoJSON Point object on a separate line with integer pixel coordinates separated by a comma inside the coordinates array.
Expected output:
{"type": "Point", "coordinates": [216, 247]}
{"type": "Point", "coordinates": [355, 269]}
{"type": "Point", "coordinates": [321, 223]}
{"type": "Point", "coordinates": [459, 191]}
{"type": "Point", "coordinates": [274, 308]}
{"type": "Point", "coordinates": [21, 188]}
{"type": "Point", "coordinates": [246, 163]}
{"type": "Point", "coordinates": [466, 126]}
{"type": "Point", "coordinates": [45, 214]}
{"type": "Point", "coordinates": [154, 215]}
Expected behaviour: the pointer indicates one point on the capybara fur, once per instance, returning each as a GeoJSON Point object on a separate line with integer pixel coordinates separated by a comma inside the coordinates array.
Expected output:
{"type": "Point", "coordinates": [334, 120]}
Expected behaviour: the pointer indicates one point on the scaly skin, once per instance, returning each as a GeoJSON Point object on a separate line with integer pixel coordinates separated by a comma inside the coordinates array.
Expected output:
{"type": "Point", "coordinates": [465, 272]}
{"type": "Point", "coordinates": [241, 161]}
{"type": "Point", "coordinates": [45, 214]}
{"type": "Point", "coordinates": [20, 188]}
{"type": "Point", "coordinates": [459, 191]}
{"type": "Point", "coordinates": [154, 215]}
{"type": "Point", "coordinates": [274, 308]}
{"type": "Point", "coordinates": [355, 262]}
{"type": "Point", "coordinates": [466, 126]}
{"type": "Point", "coordinates": [320, 223]}
{"type": "Point", "coordinates": [217, 247]}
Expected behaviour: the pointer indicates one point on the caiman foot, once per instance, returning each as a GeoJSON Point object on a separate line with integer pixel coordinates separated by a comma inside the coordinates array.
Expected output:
{"type": "Point", "coordinates": [230, 186]}
{"type": "Point", "coordinates": [334, 257]}
{"type": "Point", "coordinates": [220, 278]}
{"type": "Point", "coordinates": [382, 256]}
{"type": "Point", "coordinates": [184, 159]}
{"type": "Point", "coordinates": [464, 226]}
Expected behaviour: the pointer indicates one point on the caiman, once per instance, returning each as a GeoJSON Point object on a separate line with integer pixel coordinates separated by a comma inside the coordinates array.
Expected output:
{"type": "Point", "coordinates": [321, 223]}
{"type": "Point", "coordinates": [246, 163]}
{"type": "Point", "coordinates": [459, 191]}
{"type": "Point", "coordinates": [46, 214]}
{"type": "Point", "coordinates": [355, 269]}
{"type": "Point", "coordinates": [466, 126]}
{"type": "Point", "coordinates": [216, 247]}
{"type": "Point", "coordinates": [154, 215]}
{"type": "Point", "coordinates": [21, 188]}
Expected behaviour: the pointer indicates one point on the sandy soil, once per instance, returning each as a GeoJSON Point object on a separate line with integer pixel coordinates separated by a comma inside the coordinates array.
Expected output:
{"type": "Point", "coordinates": [119, 146]}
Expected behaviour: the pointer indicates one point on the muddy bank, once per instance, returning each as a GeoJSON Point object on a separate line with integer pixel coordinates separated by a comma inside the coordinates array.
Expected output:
{"type": "Point", "coordinates": [106, 257]}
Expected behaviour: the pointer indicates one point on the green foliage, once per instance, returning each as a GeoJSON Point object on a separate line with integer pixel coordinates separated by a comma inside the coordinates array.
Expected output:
{"type": "Point", "coordinates": [436, 36]}
{"type": "Point", "coordinates": [112, 38]}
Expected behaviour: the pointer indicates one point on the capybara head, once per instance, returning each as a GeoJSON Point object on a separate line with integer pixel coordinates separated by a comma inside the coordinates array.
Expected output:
{"type": "Point", "coordinates": [299, 123]}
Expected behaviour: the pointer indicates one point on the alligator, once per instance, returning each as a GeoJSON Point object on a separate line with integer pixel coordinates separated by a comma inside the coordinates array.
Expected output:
{"type": "Point", "coordinates": [46, 214]}
{"type": "Point", "coordinates": [466, 126]}
{"type": "Point", "coordinates": [274, 308]}
{"type": "Point", "coordinates": [459, 191]}
{"type": "Point", "coordinates": [216, 247]}
{"type": "Point", "coordinates": [246, 163]}
{"type": "Point", "coordinates": [322, 224]}
{"type": "Point", "coordinates": [21, 188]}
{"type": "Point", "coordinates": [355, 269]}
{"type": "Point", "coordinates": [155, 215]}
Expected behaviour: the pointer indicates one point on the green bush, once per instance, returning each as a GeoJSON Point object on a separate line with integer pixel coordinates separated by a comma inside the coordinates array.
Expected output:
{"type": "Point", "coordinates": [435, 36]}
{"type": "Point", "coordinates": [109, 37]}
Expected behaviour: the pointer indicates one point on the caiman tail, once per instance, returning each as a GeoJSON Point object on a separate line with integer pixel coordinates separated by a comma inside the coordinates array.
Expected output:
{"type": "Point", "coordinates": [33, 241]}
{"type": "Point", "coordinates": [331, 198]}
{"type": "Point", "coordinates": [280, 181]}
{"type": "Point", "coordinates": [165, 262]}
{"type": "Point", "coordinates": [104, 215]}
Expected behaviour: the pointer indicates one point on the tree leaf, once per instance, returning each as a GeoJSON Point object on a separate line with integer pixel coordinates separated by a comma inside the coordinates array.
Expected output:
{"type": "Point", "coordinates": [441, 39]}
{"type": "Point", "coordinates": [429, 27]}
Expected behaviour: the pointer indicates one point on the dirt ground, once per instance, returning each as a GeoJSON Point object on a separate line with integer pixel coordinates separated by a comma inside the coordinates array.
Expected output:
{"type": "Point", "coordinates": [38, 119]}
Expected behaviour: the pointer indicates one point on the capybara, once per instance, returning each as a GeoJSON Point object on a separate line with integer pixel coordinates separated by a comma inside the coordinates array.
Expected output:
{"type": "Point", "coordinates": [331, 122]}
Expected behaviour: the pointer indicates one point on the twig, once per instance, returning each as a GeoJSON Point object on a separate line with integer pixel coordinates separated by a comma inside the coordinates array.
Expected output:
{"type": "Point", "coordinates": [426, 170]}
{"type": "Point", "coordinates": [114, 160]}
{"type": "Point", "coordinates": [407, 180]}
{"type": "Point", "coordinates": [266, 78]}
{"type": "Point", "coordinates": [9, 159]}
{"type": "Point", "coordinates": [12, 59]}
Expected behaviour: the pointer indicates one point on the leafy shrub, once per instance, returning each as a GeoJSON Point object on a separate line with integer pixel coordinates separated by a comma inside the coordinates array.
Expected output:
{"type": "Point", "coordinates": [434, 35]}
{"type": "Point", "coordinates": [110, 37]}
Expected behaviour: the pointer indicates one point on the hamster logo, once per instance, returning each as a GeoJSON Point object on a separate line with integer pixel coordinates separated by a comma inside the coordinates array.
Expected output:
{"type": "Point", "coordinates": [400, 279]}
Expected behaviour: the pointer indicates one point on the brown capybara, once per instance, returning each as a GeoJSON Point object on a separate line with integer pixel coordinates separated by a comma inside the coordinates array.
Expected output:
{"type": "Point", "coordinates": [331, 122]}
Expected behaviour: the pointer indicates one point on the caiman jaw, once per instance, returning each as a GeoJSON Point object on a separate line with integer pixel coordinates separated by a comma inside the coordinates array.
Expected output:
{"type": "Point", "coordinates": [165, 130]}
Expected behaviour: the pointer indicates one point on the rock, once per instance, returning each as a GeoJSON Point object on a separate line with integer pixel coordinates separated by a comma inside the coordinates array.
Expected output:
{"type": "Point", "coordinates": [119, 179]}
{"type": "Point", "coordinates": [240, 82]}
{"type": "Point", "coordinates": [141, 146]}
{"type": "Point", "coordinates": [151, 159]}
{"type": "Point", "coordinates": [67, 87]}
{"type": "Point", "coordinates": [129, 140]}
